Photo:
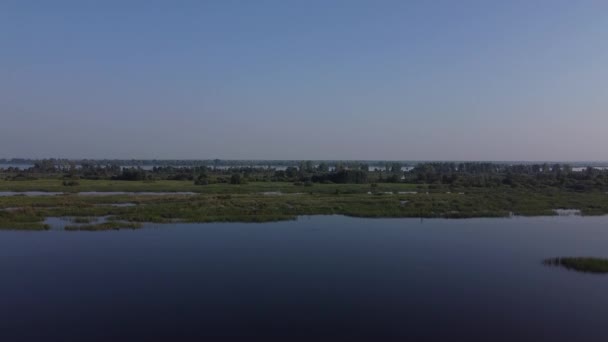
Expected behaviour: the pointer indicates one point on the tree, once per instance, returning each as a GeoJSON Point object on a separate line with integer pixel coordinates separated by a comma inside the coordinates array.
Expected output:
{"type": "Point", "coordinates": [202, 179]}
{"type": "Point", "coordinates": [132, 174]}
{"type": "Point", "coordinates": [392, 179]}
{"type": "Point", "coordinates": [308, 166]}
{"type": "Point", "coordinates": [291, 172]}
{"type": "Point", "coordinates": [396, 167]}
{"type": "Point", "coordinates": [349, 176]}
{"type": "Point", "coordinates": [323, 167]}
{"type": "Point", "coordinates": [236, 178]}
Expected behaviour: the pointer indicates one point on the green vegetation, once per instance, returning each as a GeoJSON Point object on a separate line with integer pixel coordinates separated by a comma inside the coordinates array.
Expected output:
{"type": "Point", "coordinates": [453, 175]}
{"type": "Point", "coordinates": [228, 202]}
{"type": "Point", "coordinates": [581, 264]}
{"type": "Point", "coordinates": [55, 185]}
{"type": "Point", "coordinates": [258, 194]}
{"type": "Point", "coordinates": [82, 220]}
{"type": "Point", "coordinates": [25, 218]}
{"type": "Point", "coordinates": [23, 226]}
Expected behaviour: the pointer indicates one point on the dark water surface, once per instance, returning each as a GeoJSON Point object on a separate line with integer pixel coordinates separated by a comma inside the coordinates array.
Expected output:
{"type": "Point", "coordinates": [316, 279]}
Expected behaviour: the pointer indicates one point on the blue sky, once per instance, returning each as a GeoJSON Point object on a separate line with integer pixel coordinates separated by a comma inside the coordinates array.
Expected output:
{"type": "Point", "coordinates": [427, 80]}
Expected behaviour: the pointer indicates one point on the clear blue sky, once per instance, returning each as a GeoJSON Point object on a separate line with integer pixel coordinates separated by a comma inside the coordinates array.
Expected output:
{"type": "Point", "coordinates": [457, 80]}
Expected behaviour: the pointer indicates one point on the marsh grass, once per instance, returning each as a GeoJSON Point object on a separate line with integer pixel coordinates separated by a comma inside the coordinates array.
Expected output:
{"type": "Point", "coordinates": [82, 219]}
{"type": "Point", "coordinates": [24, 226]}
{"type": "Point", "coordinates": [248, 203]}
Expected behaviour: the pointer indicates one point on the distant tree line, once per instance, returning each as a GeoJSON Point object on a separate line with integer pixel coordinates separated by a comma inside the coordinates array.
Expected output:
{"type": "Point", "coordinates": [466, 174]}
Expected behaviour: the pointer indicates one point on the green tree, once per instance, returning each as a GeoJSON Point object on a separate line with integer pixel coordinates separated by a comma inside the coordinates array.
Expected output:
{"type": "Point", "coordinates": [396, 167]}
{"type": "Point", "coordinates": [236, 178]}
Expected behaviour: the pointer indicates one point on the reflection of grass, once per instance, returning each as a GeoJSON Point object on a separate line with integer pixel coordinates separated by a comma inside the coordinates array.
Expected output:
{"type": "Point", "coordinates": [581, 264]}
{"type": "Point", "coordinates": [106, 226]}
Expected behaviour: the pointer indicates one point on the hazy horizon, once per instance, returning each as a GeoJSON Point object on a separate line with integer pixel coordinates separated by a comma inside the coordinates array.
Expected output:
{"type": "Point", "coordinates": [591, 162]}
{"type": "Point", "coordinates": [314, 80]}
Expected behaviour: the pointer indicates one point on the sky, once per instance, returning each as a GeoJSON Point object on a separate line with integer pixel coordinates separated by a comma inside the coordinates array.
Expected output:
{"type": "Point", "coordinates": [375, 80]}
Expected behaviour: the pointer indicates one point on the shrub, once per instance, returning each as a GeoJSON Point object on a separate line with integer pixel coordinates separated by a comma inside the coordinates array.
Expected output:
{"type": "Point", "coordinates": [71, 182]}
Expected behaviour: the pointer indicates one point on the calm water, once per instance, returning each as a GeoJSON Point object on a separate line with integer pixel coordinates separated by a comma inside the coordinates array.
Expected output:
{"type": "Point", "coordinates": [319, 278]}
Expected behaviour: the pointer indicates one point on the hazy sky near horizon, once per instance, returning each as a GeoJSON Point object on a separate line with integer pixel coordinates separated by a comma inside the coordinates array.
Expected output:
{"type": "Point", "coordinates": [406, 80]}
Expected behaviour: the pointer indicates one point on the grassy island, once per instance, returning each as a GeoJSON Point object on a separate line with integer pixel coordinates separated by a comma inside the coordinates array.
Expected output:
{"type": "Point", "coordinates": [581, 264]}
